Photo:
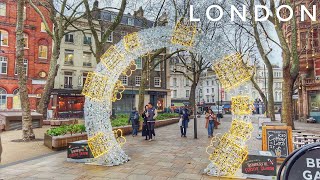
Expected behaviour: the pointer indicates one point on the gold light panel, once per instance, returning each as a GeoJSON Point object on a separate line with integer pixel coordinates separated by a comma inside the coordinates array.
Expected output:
{"type": "Point", "coordinates": [117, 91]}
{"type": "Point", "coordinates": [130, 69]}
{"type": "Point", "coordinates": [98, 145]}
{"type": "Point", "coordinates": [131, 42]}
{"type": "Point", "coordinates": [232, 72]}
{"type": "Point", "coordinates": [228, 155]}
{"type": "Point", "coordinates": [241, 105]}
{"type": "Point", "coordinates": [111, 58]}
{"type": "Point", "coordinates": [94, 86]}
{"type": "Point", "coordinates": [101, 143]}
{"type": "Point", "coordinates": [241, 130]}
{"type": "Point", "coordinates": [184, 34]}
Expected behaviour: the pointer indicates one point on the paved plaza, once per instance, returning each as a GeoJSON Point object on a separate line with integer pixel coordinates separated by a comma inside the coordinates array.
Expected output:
{"type": "Point", "coordinates": [168, 157]}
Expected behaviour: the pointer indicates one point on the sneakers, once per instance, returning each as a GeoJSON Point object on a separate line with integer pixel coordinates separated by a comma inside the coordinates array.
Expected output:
{"type": "Point", "coordinates": [150, 140]}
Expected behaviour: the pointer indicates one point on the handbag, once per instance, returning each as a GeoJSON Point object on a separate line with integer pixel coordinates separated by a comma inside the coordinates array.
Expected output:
{"type": "Point", "coordinates": [180, 122]}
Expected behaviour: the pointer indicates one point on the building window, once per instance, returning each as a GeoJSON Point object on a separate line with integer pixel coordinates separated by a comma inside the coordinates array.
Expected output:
{"type": "Point", "coordinates": [24, 13]}
{"type": "Point", "coordinates": [303, 40]}
{"type": "Point", "coordinates": [174, 93]}
{"type": "Point", "coordinates": [110, 38]}
{"type": "Point", "coordinates": [187, 93]}
{"type": "Point", "coordinates": [25, 67]}
{"type": "Point", "coordinates": [87, 59]}
{"type": "Point", "coordinates": [130, 21]}
{"type": "Point", "coordinates": [113, 17]}
{"type": "Point", "coordinates": [84, 78]}
{"type": "Point", "coordinates": [212, 82]}
{"type": "Point", "coordinates": [187, 82]}
{"type": "Point", "coordinates": [68, 79]}
{"type": "Point", "coordinates": [43, 27]}
{"type": "Point", "coordinates": [43, 52]}
{"type": "Point", "coordinates": [3, 98]}
{"type": "Point", "coordinates": [68, 38]}
{"type": "Point", "coordinates": [157, 82]}
{"type": "Point", "coordinates": [87, 39]}
{"type": "Point", "coordinates": [212, 90]}
{"type": "Point", "coordinates": [16, 99]}
{"type": "Point", "coordinates": [124, 80]}
{"type": "Point", "coordinates": [3, 65]}
{"type": "Point", "coordinates": [156, 61]}
{"type": "Point", "coordinates": [4, 38]}
{"type": "Point", "coordinates": [68, 57]}
{"type": "Point", "coordinates": [123, 34]}
{"type": "Point", "coordinates": [212, 98]}
{"type": "Point", "coordinates": [207, 83]}
{"type": "Point", "coordinates": [3, 9]}
{"type": "Point", "coordinates": [207, 89]}
{"type": "Point", "coordinates": [175, 82]}
{"type": "Point", "coordinates": [25, 40]}
{"type": "Point", "coordinates": [138, 80]}
{"type": "Point", "coordinates": [139, 63]}
{"type": "Point", "coordinates": [208, 98]}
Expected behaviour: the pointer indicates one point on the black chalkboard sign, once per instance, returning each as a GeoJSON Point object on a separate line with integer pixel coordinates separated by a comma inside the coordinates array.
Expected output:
{"type": "Point", "coordinates": [260, 163]}
{"type": "Point", "coordinates": [307, 166]}
{"type": "Point", "coordinates": [79, 150]}
{"type": "Point", "coordinates": [277, 139]}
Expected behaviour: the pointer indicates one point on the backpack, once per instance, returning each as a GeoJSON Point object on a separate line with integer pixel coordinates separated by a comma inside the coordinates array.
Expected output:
{"type": "Point", "coordinates": [136, 117]}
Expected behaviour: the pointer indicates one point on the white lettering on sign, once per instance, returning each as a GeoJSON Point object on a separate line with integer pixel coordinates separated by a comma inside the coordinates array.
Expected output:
{"type": "Point", "coordinates": [307, 175]}
{"type": "Point", "coordinates": [310, 163]}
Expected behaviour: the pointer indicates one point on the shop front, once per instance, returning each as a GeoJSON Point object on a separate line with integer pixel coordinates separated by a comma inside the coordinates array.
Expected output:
{"type": "Point", "coordinates": [158, 99]}
{"type": "Point", "coordinates": [67, 104]}
{"type": "Point", "coordinates": [314, 104]}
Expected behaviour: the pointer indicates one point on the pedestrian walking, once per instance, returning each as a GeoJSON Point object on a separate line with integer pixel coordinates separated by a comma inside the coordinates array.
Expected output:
{"type": "Point", "coordinates": [210, 119]}
{"type": "Point", "coordinates": [134, 120]}
{"type": "Point", "coordinates": [185, 120]}
{"type": "Point", "coordinates": [145, 130]}
{"type": "Point", "coordinates": [151, 116]}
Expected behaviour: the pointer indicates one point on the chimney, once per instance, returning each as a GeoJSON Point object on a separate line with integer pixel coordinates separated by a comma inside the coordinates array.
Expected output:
{"type": "Point", "coordinates": [139, 13]}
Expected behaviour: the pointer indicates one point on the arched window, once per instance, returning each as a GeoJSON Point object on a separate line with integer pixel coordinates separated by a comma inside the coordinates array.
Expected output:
{"type": "Point", "coordinates": [4, 37]}
{"type": "Point", "coordinates": [16, 99]}
{"type": "Point", "coordinates": [3, 98]}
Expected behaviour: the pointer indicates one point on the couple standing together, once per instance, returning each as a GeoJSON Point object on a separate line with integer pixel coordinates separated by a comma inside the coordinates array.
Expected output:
{"type": "Point", "coordinates": [149, 115]}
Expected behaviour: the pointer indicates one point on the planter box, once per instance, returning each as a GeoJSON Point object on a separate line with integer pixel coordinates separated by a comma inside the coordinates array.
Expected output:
{"type": "Point", "coordinates": [12, 120]}
{"type": "Point", "coordinates": [61, 142]}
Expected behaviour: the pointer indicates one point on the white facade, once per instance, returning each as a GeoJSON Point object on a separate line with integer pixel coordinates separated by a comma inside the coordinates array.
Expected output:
{"type": "Point", "coordinates": [208, 88]}
{"type": "Point", "coordinates": [76, 59]}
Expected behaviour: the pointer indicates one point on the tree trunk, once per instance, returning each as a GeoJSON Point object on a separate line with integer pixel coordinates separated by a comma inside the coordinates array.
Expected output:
{"type": "Point", "coordinates": [263, 96]}
{"type": "Point", "coordinates": [142, 88]}
{"type": "Point", "coordinates": [287, 103]}
{"type": "Point", "coordinates": [27, 131]}
{"type": "Point", "coordinates": [270, 104]}
{"type": "Point", "coordinates": [45, 97]}
{"type": "Point", "coordinates": [192, 97]}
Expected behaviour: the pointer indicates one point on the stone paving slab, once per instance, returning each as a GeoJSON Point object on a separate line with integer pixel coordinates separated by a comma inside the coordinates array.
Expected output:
{"type": "Point", "coordinates": [168, 157]}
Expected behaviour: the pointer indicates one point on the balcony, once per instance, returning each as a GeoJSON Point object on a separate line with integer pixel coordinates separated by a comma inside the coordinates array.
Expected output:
{"type": "Point", "coordinates": [312, 82]}
{"type": "Point", "coordinates": [87, 64]}
{"type": "Point", "coordinates": [68, 86]}
{"type": "Point", "coordinates": [68, 63]}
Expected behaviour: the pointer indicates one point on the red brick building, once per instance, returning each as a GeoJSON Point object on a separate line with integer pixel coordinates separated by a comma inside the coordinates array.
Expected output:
{"type": "Point", "coordinates": [38, 45]}
{"type": "Point", "coordinates": [307, 103]}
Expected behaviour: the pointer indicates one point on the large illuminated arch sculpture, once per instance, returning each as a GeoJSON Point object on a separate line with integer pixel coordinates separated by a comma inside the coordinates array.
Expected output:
{"type": "Point", "coordinates": [102, 86]}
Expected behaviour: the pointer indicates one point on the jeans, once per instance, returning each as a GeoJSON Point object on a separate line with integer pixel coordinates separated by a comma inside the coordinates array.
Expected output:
{"type": "Point", "coordinates": [184, 127]}
{"type": "Point", "coordinates": [151, 129]}
{"type": "Point", "coordinates": [210, 128]}
{"type": "Point", "coordinates": [135, 129]}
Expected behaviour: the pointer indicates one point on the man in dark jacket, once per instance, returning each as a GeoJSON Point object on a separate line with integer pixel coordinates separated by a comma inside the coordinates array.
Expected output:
{"type": "Point", "coordinates": [151, 116]}
{"type": "Point", "coordinates": [185, 120]}
{"type": "Point", "coordinates": [134, 119]}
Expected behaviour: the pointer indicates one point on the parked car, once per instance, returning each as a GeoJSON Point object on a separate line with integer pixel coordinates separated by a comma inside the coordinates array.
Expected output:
{"type": "Point", "coordinates": [219, 110]}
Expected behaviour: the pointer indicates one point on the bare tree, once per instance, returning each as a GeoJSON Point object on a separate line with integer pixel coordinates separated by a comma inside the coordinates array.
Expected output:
{"type": "Point", "coordinates": [62, 14]}
{"type": "Point", "coordinates": [27, 131]}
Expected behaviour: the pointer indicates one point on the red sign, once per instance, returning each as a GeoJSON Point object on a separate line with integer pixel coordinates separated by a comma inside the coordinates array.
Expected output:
{"type": "Point", "coordinates": [222, 94]}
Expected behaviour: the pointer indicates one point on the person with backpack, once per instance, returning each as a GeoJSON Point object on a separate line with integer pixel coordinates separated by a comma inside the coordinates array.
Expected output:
{"type": "Point", "coordinates": [185, 120]}
{"type": "Point", "coordinates": [151, 117]}
{"type": "Point", "coordinates": [134, 119]}
{"type": "Point", "coordinates": [211, 118]}
{"type": "Point", "coordinates": [145, 130]}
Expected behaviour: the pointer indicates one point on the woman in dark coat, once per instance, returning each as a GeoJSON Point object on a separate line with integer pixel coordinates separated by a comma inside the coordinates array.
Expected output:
{"type": "Point", "coordinates": [145, 131]}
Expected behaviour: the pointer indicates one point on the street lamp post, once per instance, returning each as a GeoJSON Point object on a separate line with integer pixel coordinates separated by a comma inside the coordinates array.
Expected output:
{"type": "Point", "coordinates": [132, 95]}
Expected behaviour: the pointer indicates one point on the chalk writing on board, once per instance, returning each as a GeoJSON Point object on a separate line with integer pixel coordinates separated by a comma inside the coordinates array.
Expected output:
{"type": "Point", "coordinates": [278, 142]}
